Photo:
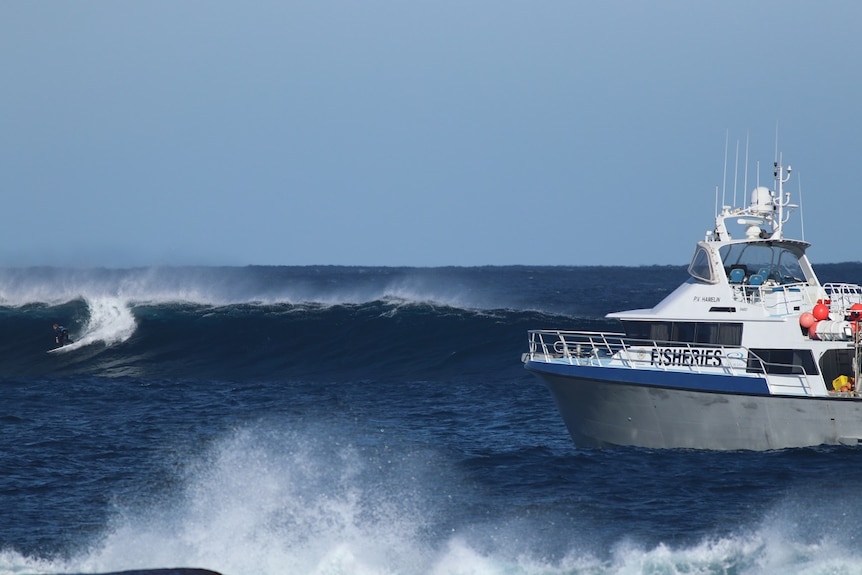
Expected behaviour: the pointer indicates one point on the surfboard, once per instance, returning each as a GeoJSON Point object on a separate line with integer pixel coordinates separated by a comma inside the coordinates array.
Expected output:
{"type": "Point", "coordinates": [67, 347]}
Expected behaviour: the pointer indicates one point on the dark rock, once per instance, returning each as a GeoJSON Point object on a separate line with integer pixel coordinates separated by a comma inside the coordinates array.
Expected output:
{"type": "Point", "coordinates": [173, 571]}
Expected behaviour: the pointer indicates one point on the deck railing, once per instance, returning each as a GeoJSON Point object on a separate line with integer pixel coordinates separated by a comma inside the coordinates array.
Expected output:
{"type": "Point", "coordinates": [776, 299]}
{"type": "Point", "coordinates": [842, 296]}
{"type": "Point", "coordinates": [600, 349]}
{"type": "Point", "coordinates": [788, 299]}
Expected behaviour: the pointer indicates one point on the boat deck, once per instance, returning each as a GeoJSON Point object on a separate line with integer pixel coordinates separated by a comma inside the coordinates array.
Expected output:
{"type": "Point", "coordinates": [615, 350]}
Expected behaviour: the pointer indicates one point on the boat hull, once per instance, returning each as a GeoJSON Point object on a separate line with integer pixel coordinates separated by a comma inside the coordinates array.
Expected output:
{"type": "Point", "coordinates": [612, 412]}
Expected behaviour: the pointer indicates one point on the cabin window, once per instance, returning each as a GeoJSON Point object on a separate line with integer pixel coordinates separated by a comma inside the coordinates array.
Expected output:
{"type": "Point", "coordinates": [700, 267]}
{"type": "Point", "coordinates": [683, 331]}
{"type": "Point", "coordinates": [780, 263]}
{"type": "Point", "coordinates": [781, 361]}
{"type": "Point", "coordinates": [686, 332]}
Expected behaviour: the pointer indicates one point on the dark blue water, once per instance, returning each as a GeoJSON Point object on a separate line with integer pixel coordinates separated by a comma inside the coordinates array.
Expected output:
{"type": "Point", "coordinates": [328, 420]}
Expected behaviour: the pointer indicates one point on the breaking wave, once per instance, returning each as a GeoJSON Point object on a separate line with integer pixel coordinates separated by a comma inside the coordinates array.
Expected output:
{"type": "Point", "coordinates": [274, 322]}
{"type": "Point", "coordinates": [272, 502]}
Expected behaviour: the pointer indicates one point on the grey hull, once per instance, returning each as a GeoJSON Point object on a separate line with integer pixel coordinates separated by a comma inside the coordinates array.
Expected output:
{"type": "Point", "coordinates": [602, 413]}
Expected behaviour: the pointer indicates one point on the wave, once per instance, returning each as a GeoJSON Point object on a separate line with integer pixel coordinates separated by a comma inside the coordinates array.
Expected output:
{"type": "Point", "coordinates": [379, 339]}
{"type": "Point", "coordinates": [109, 321]}
{"type": "Point", "coordinates": [270, 501]}
{"type": "Point", "coordinates": [555, 290]}
{"type": "Point", "coordinates": [548, 289]}
{"type": "Point", "coordinates": [292, 322]}
{"type": "Point", "coordinates": [226, 286]}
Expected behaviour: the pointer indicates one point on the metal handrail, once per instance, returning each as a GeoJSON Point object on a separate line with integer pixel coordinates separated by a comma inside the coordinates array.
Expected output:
{"type": "Point", "coordinates": [841, 296]}
{"type": "Point", "coordinates": [778, 299]}
{"type": "Point", "coordinates": [590, 348]}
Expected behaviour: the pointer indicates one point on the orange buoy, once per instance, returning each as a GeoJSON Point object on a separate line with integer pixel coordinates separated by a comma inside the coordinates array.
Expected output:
{"type": "Point", "coordinates": [807, 319]}
{"type": "Point", "coordinates": [820, 312]}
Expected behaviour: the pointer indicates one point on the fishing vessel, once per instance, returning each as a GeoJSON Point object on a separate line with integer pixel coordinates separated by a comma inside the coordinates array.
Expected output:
{"type": "Point", "coordinates": [751, 352]}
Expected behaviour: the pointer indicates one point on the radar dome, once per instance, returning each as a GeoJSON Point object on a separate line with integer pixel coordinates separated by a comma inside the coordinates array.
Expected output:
{"type": "Point", "coordinates": [761, 200]}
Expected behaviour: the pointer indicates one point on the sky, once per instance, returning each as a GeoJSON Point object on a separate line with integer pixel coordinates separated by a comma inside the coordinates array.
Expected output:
{"type": "Point", "coordinates": [418, 132]}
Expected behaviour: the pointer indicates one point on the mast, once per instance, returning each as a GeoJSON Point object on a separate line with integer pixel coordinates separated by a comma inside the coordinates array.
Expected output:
{"type": "Point", "coordinates": [781, 201]}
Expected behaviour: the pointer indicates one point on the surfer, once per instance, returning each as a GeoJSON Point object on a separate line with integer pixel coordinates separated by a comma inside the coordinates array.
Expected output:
{"type": "Point", "coordinates": [61, 335]}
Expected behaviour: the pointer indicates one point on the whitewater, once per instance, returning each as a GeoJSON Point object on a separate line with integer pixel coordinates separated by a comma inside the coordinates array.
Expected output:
{"type": "Point", "coordinates": [333, 420]}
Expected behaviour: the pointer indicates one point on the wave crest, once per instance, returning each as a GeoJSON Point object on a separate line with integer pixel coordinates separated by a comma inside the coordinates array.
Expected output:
{"type": "Point", "coordinates": [110, 321]}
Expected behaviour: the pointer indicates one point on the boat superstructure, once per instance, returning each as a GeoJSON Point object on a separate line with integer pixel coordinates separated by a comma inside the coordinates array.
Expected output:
{"type": "Point", "coordinates": [751, 352]}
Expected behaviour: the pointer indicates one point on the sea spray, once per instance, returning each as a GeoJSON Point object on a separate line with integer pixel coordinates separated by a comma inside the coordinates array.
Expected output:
{"type": "Point", "coordinates": [385, 437]}
{"type": "Point", "coordinates": [109, 321]}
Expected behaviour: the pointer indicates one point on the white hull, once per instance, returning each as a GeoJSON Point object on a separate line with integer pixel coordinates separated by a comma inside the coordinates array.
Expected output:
{"type": "Point", "coordinates": [751, 352]}
{"type": "Point", "coordinates": [602, 413]}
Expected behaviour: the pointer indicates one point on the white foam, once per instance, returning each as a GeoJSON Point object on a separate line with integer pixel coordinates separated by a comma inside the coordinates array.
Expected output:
{"type": "Point", "coordinates": [273, 503]}
{"type": "Point", "coordinates": [110, 321]}
{"type": "Point", "coordinates": [250, 509]}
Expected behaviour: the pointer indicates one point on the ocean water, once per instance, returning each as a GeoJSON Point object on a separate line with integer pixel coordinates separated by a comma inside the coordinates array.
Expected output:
{"type": "Point", "coordinates": [365, 421]}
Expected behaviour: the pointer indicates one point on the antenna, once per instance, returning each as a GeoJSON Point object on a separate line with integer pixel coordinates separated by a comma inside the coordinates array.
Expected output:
{"type": "Point", "coordinates": [724, 181]}
{"type": "Point", "coordinates": [745, 180]}
{"type": "Point", "coordinates": [735, 173]}
{"type": "Point", "coordinates": [801, 211]}
{"type": "Point", "coordinates": [777, 158]}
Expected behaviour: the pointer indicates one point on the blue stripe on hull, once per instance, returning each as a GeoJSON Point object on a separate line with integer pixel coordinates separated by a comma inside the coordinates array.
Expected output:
{"type": "Point", "coordinates": [656, 378]}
